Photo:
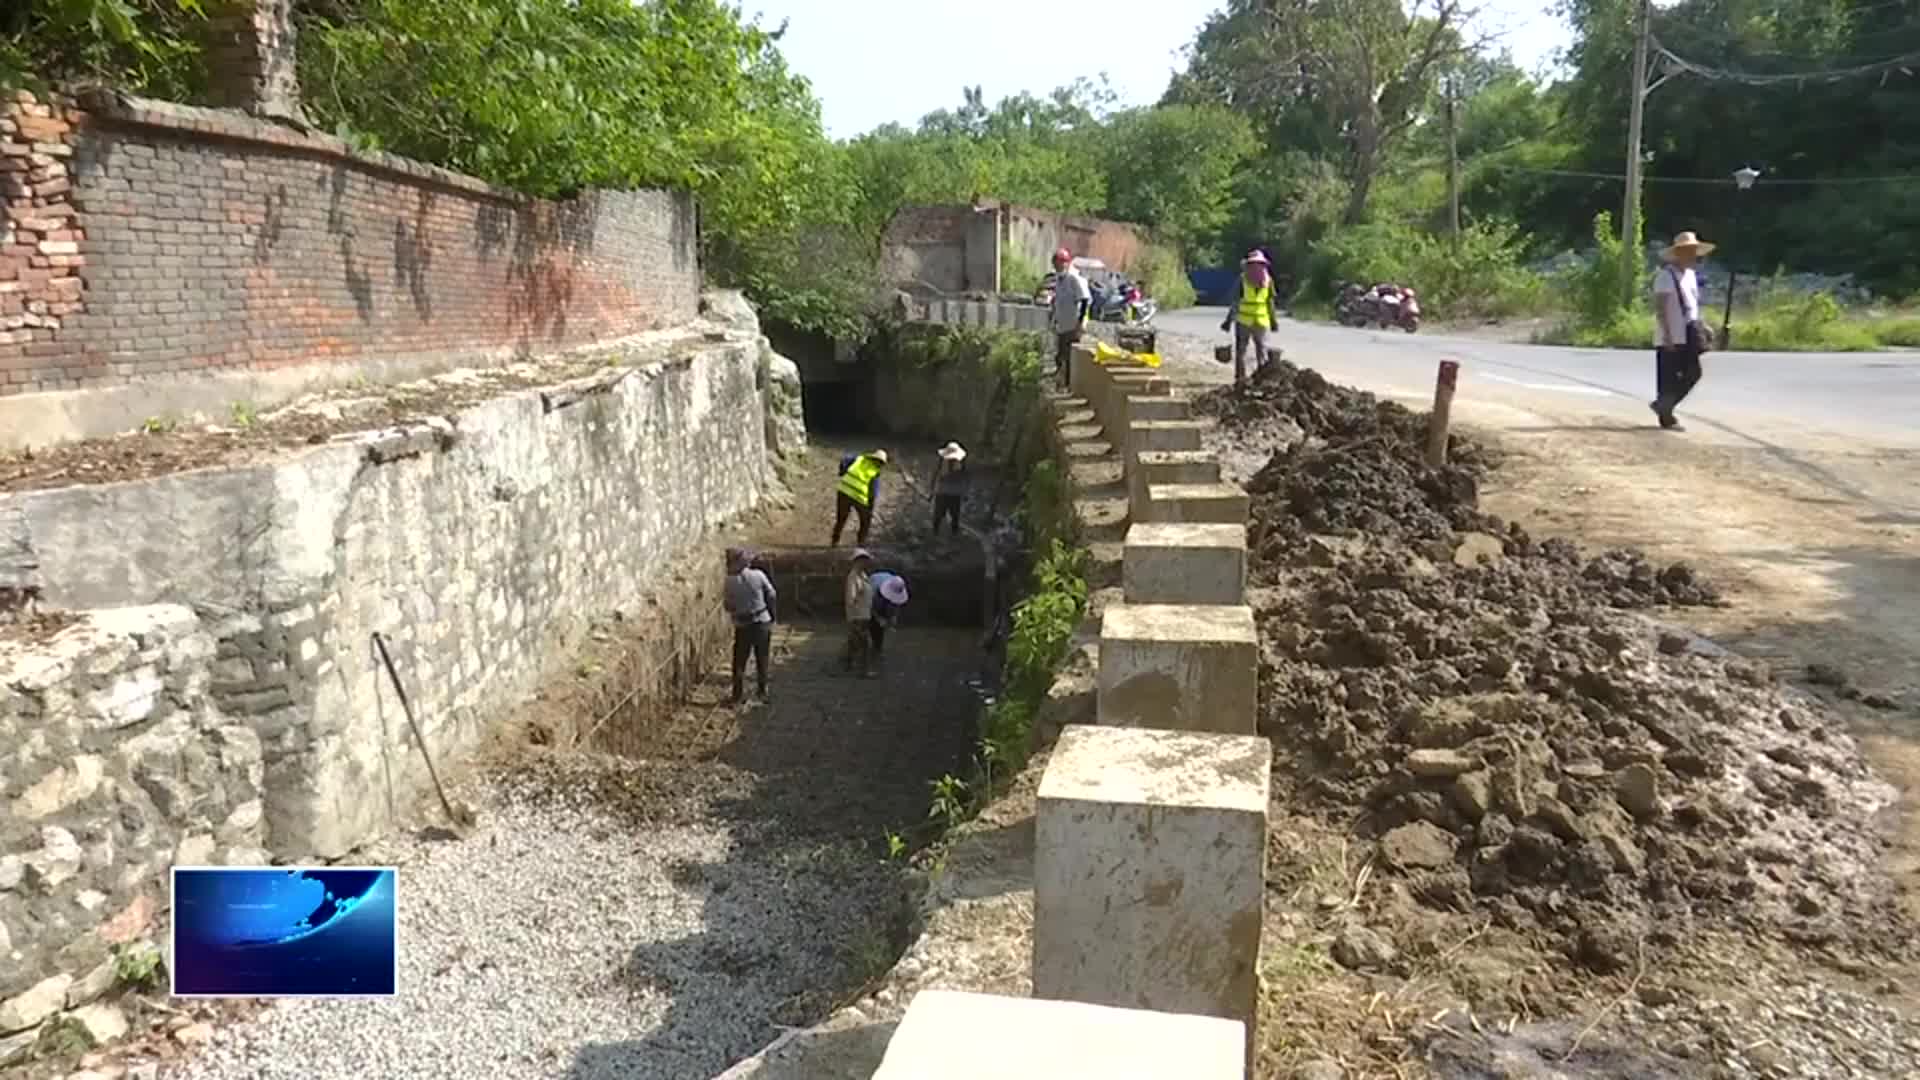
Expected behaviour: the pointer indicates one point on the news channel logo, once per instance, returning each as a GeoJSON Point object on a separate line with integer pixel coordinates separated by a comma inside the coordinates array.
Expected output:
{"type": "Point", "coordinates": [285, 931]}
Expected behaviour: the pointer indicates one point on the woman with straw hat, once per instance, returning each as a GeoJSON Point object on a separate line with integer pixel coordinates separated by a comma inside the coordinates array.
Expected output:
{"type": "Point", "coordinates": [1680, 336]}
{"type": "Point", "coordinates": [949, 486]}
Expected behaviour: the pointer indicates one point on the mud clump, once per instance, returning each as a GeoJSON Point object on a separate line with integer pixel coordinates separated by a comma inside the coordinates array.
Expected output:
{"type": "Point", "coordinates": [1516, 740]}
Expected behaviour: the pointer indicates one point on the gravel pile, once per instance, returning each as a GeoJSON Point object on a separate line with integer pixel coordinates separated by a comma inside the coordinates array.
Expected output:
{"type": "Point", "coordinates": [607, 919]}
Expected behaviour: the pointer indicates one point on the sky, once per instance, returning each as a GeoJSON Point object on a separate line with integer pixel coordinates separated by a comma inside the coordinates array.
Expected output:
{"type": "Point", "coordinates": [873, 62]}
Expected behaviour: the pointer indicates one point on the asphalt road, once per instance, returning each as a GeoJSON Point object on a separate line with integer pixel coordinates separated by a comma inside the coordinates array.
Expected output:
{"type": "Point", "coordinates": [1871, 397]}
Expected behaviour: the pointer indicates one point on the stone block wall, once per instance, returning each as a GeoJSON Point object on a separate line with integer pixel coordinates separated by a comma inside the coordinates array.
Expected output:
{"type": "Point", "coordinates": [145, 239]}
{"type": "Point", "coordinates": [119, 761]}
{"type": "Point", "coordinates": [222, 701]}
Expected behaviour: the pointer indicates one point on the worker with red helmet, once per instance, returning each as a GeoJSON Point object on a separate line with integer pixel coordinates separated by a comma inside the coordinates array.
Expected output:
{"type": "Point", "coordinates": [1071, 299]}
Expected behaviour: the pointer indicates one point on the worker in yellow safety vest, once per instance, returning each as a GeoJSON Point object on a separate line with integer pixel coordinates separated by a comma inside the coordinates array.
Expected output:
{"type": "Point", "coordinates": [1255, 311]}
{"type": "Point", "coordinates": [858, 491]}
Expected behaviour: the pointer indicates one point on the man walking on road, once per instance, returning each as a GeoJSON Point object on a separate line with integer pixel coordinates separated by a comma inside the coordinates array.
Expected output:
{"type": "Point", "coordinates": [1071, 299]}
{"type": "Point", "coordinates": [1253, 314]}
{"type": "Point", "coordinates": [858, 491]}
{"type": "Point", "coordinates": [1680, 337]}
{"type": "Point", "coordinates": [749, 598]}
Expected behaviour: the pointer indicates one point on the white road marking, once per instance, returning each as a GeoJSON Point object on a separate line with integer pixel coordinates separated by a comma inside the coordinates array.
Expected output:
{"type": "Point", "coordinates": [1564, 388]}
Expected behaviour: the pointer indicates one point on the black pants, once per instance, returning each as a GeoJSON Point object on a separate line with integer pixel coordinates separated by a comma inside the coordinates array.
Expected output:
{"type": "Point", "coordinates": [948, 507]}
{"type": "Point", "coordinates": [1063, 355]}
{"type": "Point", "coordinates": [756, 640]}
{"type": "Point", "coordinates": [842, 506]}
{"type": "Point", "coordinates": [877, 631]}
{"type": "Point", "coordinates": [1676, 371]}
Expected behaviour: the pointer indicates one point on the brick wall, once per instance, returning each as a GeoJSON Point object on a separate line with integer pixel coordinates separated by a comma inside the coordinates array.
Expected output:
{"type": "Point", "coordinates": [144, 239]}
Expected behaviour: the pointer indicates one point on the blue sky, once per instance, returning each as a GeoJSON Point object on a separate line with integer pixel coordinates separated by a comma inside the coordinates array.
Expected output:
{"type": "Point", "coordinates": [875, 61]}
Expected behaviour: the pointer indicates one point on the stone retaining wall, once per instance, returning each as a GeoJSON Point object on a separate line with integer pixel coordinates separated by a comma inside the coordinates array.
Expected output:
{"type": "Point", "coordinates": [221, 700]}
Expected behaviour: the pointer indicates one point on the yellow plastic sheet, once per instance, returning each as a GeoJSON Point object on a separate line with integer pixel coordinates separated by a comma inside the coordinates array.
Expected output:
{"type": "Point", "coordinates": [1104, 353]}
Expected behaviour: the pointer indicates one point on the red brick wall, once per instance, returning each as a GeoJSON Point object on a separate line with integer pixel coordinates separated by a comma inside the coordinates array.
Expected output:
{"type": "Point", "coordinates": [143, 239]}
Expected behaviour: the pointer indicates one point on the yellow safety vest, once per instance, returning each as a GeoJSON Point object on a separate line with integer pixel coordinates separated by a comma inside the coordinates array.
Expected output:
{"type": "Point", "coordinates": [857, 483]}
{"type": "Point", "coordinates": [1254, 305]}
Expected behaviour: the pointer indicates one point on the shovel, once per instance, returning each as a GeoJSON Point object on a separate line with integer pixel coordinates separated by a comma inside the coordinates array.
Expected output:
{"type": "Point", "coordinates": [460, 815]}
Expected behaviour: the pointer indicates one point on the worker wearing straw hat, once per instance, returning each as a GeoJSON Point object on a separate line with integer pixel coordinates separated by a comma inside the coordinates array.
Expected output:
{"type": "Point", "coordinates": [1681, 337]}
{"type": "Point", "coordinates": [1255, 312]}
{"type": "Point", "coordinates": [949, 486]}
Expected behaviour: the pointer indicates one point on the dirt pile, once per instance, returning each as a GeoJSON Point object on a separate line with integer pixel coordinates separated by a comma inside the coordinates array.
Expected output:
{"type": "Point", "coordinates": [1516, 743]}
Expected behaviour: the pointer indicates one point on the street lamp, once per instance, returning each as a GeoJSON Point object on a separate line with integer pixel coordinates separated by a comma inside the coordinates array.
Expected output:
{"type": "Point", "coordinates": [1743, 179]}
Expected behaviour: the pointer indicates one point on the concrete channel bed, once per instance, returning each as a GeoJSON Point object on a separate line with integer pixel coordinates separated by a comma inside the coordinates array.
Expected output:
{"type": "Point", "coordinates": [1146, 862]}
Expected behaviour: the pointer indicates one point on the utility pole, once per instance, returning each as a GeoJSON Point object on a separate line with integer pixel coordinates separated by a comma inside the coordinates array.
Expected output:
{"type": "Point", "coordinates": [1453, 162]}
{"type": "Point", "coordinates": [1637, 102]}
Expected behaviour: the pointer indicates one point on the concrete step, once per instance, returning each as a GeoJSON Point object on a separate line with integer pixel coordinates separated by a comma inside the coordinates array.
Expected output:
{"type": "Point", "coordinates": [1145, 435]}
{"type": "Point", "coordinates": [1224, 504]}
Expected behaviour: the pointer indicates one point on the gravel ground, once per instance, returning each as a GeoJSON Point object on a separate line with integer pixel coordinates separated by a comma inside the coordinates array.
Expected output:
{"type": "Point", "coordinates": [561, 941]}
{"type": "Point", "coordinates": [617, 917]}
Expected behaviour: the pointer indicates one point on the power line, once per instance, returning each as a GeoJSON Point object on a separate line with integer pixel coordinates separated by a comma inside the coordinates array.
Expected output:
{"type": "Point", "coordinates": [1903, 64]}
{"type": "Point", "coordinates": [1809, 181]}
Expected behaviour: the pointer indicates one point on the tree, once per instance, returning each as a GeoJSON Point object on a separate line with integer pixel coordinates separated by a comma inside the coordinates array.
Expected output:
{"type": "Point", "coordinates": [1175, 167]}
{"type": "Point", "coordinates": [1362, 70]}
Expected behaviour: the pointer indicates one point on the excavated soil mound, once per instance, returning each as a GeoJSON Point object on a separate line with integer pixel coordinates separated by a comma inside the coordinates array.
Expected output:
{"type": "Point", "coordinates": [1516, 742]}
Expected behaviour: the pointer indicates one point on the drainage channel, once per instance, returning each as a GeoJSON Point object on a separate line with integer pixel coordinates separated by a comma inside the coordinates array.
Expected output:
{"type": "Point", "coordinates": [661, 901]}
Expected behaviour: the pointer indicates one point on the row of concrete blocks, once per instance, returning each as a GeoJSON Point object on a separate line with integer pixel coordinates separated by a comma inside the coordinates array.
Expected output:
{"type": "Point", "coordinates": [987, 313]}
{"type": "Point", "coordinates": [1151, 825]}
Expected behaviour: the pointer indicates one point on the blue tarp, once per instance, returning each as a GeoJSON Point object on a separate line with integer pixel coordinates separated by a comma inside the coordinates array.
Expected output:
{"type": "Point", "coordinates": [1215, 286]}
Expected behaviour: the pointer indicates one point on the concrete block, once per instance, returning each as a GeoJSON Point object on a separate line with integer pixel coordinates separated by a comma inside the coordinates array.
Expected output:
{"type": "Point", "coordinates": [1157, 407]}
{"type": "Point", "coordinates": [1167, 467]}
{"type": "Point", "coordinates": [1150, 872]}
{"type": "Point", "coordinates": [1145, 435]}
{"type": "Point", "coordinates": [1084, 376]}
{"type": "Point", "coordinates": [1224, 504]}
{"type": "Point", "coordinates": [941, 1038]}
{"type": "Point", "coordinates": [1124, 385]}
{"type": "Point", "coordinates": [1179, 467]}
{"type": "Point", "coordinates": [1186, 667]}
{"type": "Point", "coordinates": [1185, 564]}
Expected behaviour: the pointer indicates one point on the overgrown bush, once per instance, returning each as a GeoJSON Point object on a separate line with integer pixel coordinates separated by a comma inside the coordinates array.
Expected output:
{"type": "Point", "coordinates": [1600, 287]}
{"type": "Point", "coordinates": [1475, 275]}
{"type": "Point", "coordinates": [1043, 626]}
{"type": "Point", "coordinates": [1019, 274]}
{"type": "Point", "coordinates": [1164, 277]}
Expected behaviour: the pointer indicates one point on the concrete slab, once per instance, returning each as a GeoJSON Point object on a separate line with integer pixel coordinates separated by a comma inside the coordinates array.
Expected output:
{"type": "Point", "coordinates": [1179, 466]}
{"type": "Point", "coordinates": [1150, 872]}
{"type": "Point", "coordinates": [1124, 384]}
{"type": "Point", "coordinates": [1145, 435]}
{"type": "Point", "coordinates": [951, 1035]}
{"type": "Point", "coordinates": [1186, 564]}
{"type": "Point", "coordinates": [1221, 504]}
{"type": "Point", "coordinates": [1185, 667]}
{"type": "Point", "coordinates": [1158, 407]}
{"type": "Point", "coordinates": [1168, 467]}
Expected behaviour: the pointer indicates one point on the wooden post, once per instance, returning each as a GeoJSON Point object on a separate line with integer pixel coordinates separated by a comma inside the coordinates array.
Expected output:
{"type": "Point", "coordinates": [1442, 416]}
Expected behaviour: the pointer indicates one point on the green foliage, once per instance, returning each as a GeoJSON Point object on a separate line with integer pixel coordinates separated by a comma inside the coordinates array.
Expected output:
{"type": "Point", "coordinates": [1477, 275]}
{"type": "Point", "coordinates": [1600, 286]}
{"type": "Point", "coordinates": [1777, 322]}
{"type": "Point", "coordinates": [1019, 274]}
{"type": "Point", "coordinates": [1175, 166]}
{"type": "Point", "coordinates": [143, 46]}
{"type": "Point", "coordinates": [138, 966]}
{"type": "Point", "coordinates": [1164, 277]}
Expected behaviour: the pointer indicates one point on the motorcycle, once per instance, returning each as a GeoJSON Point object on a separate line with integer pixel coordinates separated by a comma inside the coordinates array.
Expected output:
{"type": "Point", "coordinates": [1124, 305]}
{"type": "Point", "coordinates": [1385, 305]}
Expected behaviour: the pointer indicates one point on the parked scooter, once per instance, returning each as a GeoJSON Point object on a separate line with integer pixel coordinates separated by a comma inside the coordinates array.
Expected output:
{"type": "Point", "coordinates": [1125, 304]}
{"type": "Point", "coordinates": [1386, 305]}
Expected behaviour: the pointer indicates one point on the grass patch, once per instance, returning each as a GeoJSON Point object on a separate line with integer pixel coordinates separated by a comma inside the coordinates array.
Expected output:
{"type": "Point", "coordinates": [1807, 323]}
{"type": "Point", "coordinates": [1163, 278]}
